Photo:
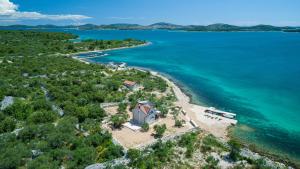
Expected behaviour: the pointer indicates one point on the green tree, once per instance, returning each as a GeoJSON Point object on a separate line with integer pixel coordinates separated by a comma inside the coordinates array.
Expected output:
{"type": "Point", "coordinates": [7, 125]}
{"type": "Point", "coordinates": [19, 110]}
{"type": "Point", "coordinates": [43, 162]}
{"type": "Point", "coordinates": [118, 119]}
{"type": "Point", "coordinates": [122, 108]}
{"type": "Point", "coordinates": [11, 156]}
{"type": "Point", "coordinates": [84, 156]}
{"type": "Point", "coordinates": [42, 117]}
{"type": "Point", "coordinates": [159, 130]}
{"type": "Point", "coordinates": [95, 111]}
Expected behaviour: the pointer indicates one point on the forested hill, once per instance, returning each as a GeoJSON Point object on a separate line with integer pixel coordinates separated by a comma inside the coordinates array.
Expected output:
{"type": "Point", "coordinates": [52, 117]}
{"type": "Point", "coordinates": [162, 25]}
{"type": "Point", "coordinates": [33, 42]}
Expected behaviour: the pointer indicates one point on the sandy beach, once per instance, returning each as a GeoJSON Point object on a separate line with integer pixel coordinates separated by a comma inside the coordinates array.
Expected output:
{"type": "Point", "coordinates": [213, 124]}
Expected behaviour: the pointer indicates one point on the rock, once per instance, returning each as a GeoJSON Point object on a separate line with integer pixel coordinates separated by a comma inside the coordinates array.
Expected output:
{"type": "Point", "coordinates": [7, 101]}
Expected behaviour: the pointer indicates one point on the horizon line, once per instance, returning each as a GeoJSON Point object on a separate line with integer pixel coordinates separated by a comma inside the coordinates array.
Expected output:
{"type": "Point", "coordinates": [149, 24]}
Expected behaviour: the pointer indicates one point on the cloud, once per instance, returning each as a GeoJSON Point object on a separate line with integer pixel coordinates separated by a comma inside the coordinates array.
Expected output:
{"type": "Point", "coordinates": [9, 11]}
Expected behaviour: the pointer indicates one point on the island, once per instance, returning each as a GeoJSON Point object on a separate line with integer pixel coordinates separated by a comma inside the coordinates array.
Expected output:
{"type": "Point", "coordinates": [60, 111]}
{"type": "Point", "coordinates": [217, 27]}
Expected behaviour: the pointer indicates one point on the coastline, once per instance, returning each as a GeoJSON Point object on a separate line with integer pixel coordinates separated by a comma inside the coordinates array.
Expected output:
{"type": "Point", "coordinates": [220, 129]}
{"type": "Point", "coordinates": [213, 124]}
{"type": "Point", "coordinates": [105, 50]}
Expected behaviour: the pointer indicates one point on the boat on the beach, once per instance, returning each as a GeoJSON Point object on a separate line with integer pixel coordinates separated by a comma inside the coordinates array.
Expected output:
{"type": "Point", "coordinates": [225, 114]}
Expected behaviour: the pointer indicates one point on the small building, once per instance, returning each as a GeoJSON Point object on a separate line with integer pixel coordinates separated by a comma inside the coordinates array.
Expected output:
{"type": "Point", "coordinates": [144, 112]}
{"type": "Point", "coordinates": [130, 85]}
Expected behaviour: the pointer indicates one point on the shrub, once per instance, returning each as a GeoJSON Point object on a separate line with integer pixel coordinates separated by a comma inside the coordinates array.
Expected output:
{"type": "Point", "coordinates": [118, 119]}
{"type": "Point", "coordinates": [122, 108]}
{"type": "Point", "coordinates": [234, 150]}
{"type": "Point", "coordinates": [211, 141]}
{"type": "Point", "coordinates": [212, 163]}
{"type": "Point", "coordinates": [159, 130]}
{"type": "Point", "coordinates": [7, 125]}
{"type": "Point", "coordinates": [42, 117]}
{"type": "Point", "coordinates": [145, 127]}
{"type": "Point", "coordinates": [178, 123]}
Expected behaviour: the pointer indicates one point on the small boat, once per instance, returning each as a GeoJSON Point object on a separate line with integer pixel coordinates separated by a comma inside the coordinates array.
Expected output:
{"type": "Point", "coordinates": [214, 111]}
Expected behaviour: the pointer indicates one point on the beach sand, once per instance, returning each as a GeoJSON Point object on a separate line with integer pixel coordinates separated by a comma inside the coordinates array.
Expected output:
{"type": "Point", "coordinates": [213, 124]}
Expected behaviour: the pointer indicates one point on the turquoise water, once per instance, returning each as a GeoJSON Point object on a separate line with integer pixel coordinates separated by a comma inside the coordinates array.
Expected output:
{"type": "Point", "coordinates": [253, 74]}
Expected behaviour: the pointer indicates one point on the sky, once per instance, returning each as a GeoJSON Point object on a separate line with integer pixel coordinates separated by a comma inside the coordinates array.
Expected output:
{"type": "Point", "coordinates": [145, 12]}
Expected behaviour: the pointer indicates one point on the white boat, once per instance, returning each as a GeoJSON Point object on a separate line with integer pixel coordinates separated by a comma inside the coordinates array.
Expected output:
{"type": "Point", "coordinates": [214, 111]}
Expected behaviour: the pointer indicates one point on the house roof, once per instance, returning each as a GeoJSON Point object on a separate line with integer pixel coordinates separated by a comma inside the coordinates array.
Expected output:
{"type": "Point", "coordinates": [144, 107]}
{"type": "Point", "coordinates": [129, 83]}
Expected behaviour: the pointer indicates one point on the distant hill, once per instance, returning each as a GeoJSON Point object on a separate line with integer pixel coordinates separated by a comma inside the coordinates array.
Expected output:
{"type": "Point", "coordinates": [162, 25]}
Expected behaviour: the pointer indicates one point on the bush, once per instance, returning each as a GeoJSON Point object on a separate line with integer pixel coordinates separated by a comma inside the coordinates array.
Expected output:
{"type": "Point", "coordinates": [118, 119]}
{"type": "Point", "coordinates": [163, 111]}
{"type": "Point", "coordinates": [95, 112]}
{"type": "Point", "coordinates": [122, 108]}
{"type": "Point", "coordinates": [188, 140]}
{"type": "Point", "coordinates": [159, 130]}
{"type": "Point", "coordinates": [234, 150]}
{"type": "Point", "coordinates": [43, 162]}
{"type": "Point", "coordinates": [178, 123]}
{"type": "Point", "coordinates": [145, 127]}
{"type": "Point", "coordinates": [212, 163]}
{"type": "Point", "coordinates": [19, 110]}
{"type": "Point", "coordinates": [42, 117]}
{"type": "Point", "coordinates": [211, 141]}
{"type": "Point", "coordinates": [7, 125]}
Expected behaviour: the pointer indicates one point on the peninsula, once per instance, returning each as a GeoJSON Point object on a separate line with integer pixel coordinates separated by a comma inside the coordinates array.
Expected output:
{"type": "Point", "coordinates": [57, 112]}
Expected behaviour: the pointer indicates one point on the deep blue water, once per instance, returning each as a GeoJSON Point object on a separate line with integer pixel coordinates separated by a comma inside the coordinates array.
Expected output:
{"type": "Point", "coordinates": [253, 74]}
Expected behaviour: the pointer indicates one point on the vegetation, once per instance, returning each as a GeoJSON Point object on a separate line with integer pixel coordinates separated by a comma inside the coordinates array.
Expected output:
{"type": "Point", "coordinates": [55, 118]}
{"type": "Point", "coordinates": [189, 141]}
{"type": "Point", "coordinates": [118, 119]}
{"type": "Point", "coordinates": [178, 123]}
{"type": "Point", "coordinates": [212, 163]}
{"type": "Point", "coordinates": [145, 127]}
{"type": "Point", "coordinates": [153, 157]}
{"type": "Point", "coordinates": [234, 150]}
{"type": "Point", "coordinates": [159, 130]}
{"type": "Point", "coordinates": [16, 43]}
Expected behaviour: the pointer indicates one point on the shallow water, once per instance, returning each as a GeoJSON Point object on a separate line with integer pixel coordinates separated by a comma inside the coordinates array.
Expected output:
{"type": "Point", "coordinates": [253, 74]}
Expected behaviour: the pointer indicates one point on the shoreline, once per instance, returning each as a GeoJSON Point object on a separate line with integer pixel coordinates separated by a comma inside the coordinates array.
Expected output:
{"type": "Point", "coordinates": [213, 124]}
{"type": "Point", "coordinates": [216, 125]}
{"type": "Point", "coordinates": [220, 129]}
{"type": "Point", "coordinates": [104, 50]}
{"type": "Point", "coordinates": [111, 49]}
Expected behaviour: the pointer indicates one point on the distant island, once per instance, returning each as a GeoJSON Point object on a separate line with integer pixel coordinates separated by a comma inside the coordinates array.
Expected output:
{"type": "Point", "coordinates": [219, 27]}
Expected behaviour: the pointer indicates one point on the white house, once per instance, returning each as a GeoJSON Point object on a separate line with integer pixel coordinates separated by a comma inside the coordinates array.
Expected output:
{"type": "Point", "coordinates": [144, 112]}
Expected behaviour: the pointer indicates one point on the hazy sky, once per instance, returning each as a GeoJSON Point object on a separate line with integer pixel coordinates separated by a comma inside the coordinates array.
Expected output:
{"type": "Point", "coordinates": [238, 12]}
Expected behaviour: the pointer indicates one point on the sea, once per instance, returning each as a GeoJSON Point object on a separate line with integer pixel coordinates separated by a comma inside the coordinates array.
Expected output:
{"type": "Point", "coordinates": [253, 74]}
